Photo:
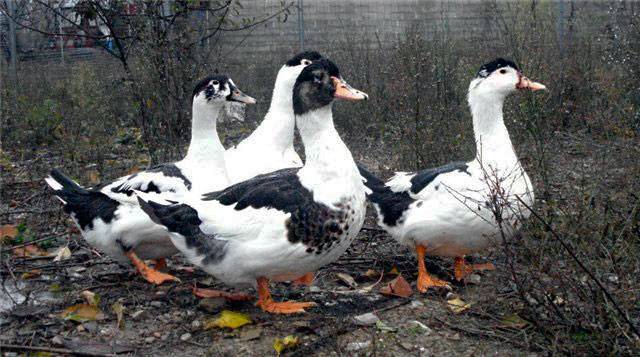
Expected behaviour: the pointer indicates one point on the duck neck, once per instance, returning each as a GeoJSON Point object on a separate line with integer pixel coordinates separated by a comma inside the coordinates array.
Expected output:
{"type": "Point", "coordinates": [493, 144]}
{"type": "Point", "coordinates": [277, 128]}
{"type": "Point", "coordinates": [205, 145]}
{"type": "Point", "coordinates": [326, 155]}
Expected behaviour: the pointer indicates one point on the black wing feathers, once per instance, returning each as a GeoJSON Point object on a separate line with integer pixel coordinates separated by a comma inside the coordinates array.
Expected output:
{"type": "Point", "coordinates": [423, 178]}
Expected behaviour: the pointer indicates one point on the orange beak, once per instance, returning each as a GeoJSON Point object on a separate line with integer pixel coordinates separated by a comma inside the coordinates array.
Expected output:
{"type": "Point", "coordinates": [526, 83]}
{"type": "Point", "coordinates": [346, 92]}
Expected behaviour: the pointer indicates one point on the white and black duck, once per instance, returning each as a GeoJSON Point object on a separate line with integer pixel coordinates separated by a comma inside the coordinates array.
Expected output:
{"type": "Point", "coordinates": [451, 210]}
{"type": "Point", "coordinates": [270, 146]}
{"type": "Point", "coordinates": [110, 218]}
{"type": "Point", "coordinates": [281, 225]}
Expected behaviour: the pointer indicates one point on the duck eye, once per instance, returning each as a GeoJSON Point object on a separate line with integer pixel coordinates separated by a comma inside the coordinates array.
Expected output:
{"type": "Point", "coordinates": [305, 62]}
{"type": "Point", "coordinates": [214, 82]}
{"type": "Point", "coordinates": [503, 71]}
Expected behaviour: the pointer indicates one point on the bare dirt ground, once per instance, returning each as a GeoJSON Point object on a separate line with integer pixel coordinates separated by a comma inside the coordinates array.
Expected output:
{"type": "Point", "coordinates": [169, 319]}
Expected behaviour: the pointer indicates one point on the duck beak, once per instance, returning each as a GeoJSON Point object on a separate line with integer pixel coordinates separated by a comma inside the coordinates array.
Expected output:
{"type": "Point", "coordinates": [346, 92]}
{"type": "Point", "coordinates": [526, 83]}
{"type": "Point", "coordinates": [237, 96]}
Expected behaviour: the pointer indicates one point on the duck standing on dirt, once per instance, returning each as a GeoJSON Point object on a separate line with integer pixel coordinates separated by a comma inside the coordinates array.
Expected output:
{"type": "Point", "coordinates": [462, 207]}
{"type": "Point", "coordinates": [110, 218]}
{"type": "Point", "coordinates": [281, 225]}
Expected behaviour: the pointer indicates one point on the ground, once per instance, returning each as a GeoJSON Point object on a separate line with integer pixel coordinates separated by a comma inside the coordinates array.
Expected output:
{"type": "Point", "coordinates": [169, 319]}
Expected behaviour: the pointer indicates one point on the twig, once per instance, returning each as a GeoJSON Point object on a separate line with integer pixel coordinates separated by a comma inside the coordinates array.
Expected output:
{"type": "Point", "coordinates": [17, 348]}
{"type": "Point", "coordinates": [33, 242]}
{"type": "Point", "coordinates": [583, 267]}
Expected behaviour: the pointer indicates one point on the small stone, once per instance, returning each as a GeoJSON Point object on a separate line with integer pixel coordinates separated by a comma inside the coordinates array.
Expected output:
{"type": "Point", "coordinates": [473, 279]}
{"type": "Point", "coordinates": [157, 334]}
{"type": "Point", "coordinates": [212, 305]}
{"type": "Point", "coordinates": [196, 325]}
{"type": "Point", "coordinates": [57, 341]}
{"type": "Point", "coordinates": [185, 337]}
{"type": "Point", "coordinates": [149, 339]}
{"type": "Point", "coordinates": [451, 296]}
{"type": "Point", "coordinates": [314, 289]}
{"type": "Point", "coordinates": [357, 346]}
{"type": "Point", "coordinates": [416, 303]}
{"type": "Point", "coordinates": [164, 337]}
{"type": "Point", "coordinates": [156, 303]}
{"type": "Point", "coordinates": [80, 328]}
{"type": "Point", "coordinates": [407, 346]}
{"type": "Point", "coordinates": [367, 319]}
{"type": "Point", "coordinates": [90, 326]}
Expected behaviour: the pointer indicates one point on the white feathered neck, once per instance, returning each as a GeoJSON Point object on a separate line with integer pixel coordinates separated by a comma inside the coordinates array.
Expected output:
{"type": "Point", "coordinates": [277, 128]}
{"type": "Point", "coordinates": [493, 144]}
{"type": "Point", "coordinates": [205, 147]}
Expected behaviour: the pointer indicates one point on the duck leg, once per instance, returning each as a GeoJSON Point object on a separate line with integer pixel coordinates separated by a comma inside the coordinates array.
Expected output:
{"type": "Point", "coordinates": [425, 280]}
{"type": "Point", "coordinates": [266, 303]}
{"type": "Point", "coordinates": [159, 264]}
{"type": "Point", "coordinates": [306, 279]}
{"type": "Point", "coordinates": [210, 293]}
{"type": "Point", "coordinates": [462, 269]}
{"type": "Point", "coordinates": [151, 275]}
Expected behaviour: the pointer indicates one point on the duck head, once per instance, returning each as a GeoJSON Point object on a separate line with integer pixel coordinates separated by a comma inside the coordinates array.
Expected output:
{"type": "Point", "coordinates": [319, 84]}
{"type": "Point", "coordinates": [501, 77]}
{"type": "Point", "coordinates": [216, 90]}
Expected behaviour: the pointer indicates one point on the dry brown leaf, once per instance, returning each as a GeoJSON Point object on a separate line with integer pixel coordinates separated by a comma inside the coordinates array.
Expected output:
{"type": "Point", "coordinates": [347, 279]}
{"type": "Point", "coordinates": [31, 274]}
{"type": "Point", "coordinates": [394, 270]}
{"type": "Point", "coordinates": [29, 251]}
{"type": "Point", "coordinates": [457, 305]}
{"type": "Point", "coordinates": [513, 321]}
{"type": "Point", "coordinates": [90, 297]}
{"type": "Point", "coordinates": [63, 253]}
{"type": "Point", "coordinates": [371, 274]}
{"type": "Point", "coordinates": [397, 287]}
{"type": "Point", "coordinates": [8, 233]}
{"type": "Point", "coordinates": [82, 313]}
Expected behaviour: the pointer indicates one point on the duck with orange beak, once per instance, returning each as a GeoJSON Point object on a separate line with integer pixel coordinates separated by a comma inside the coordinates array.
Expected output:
{"type": "Point", "coordinates": [462, 207]}
{"type": "Point", "coordinates": [281, 225]}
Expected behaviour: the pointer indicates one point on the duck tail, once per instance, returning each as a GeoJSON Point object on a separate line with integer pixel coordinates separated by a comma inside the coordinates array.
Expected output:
{"type": "Point", "coordinates": [377, 187]}
{"type": "Point", "coordinates": [83, 205]}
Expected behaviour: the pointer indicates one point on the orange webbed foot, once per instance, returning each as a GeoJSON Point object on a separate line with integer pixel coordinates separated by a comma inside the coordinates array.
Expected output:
{"type": "Point", "coordinates": [425, 280]}
{"type": "Point", "coordinates": [151, 275]}
{"type": "Point", "coordinates": [306, 279]}
{"type": "Point", "coordinates": [462, 269]}
{"type": "Point", "coordinates": [266, 303]}
{"type": "Point", "coordinates": [210, 293]}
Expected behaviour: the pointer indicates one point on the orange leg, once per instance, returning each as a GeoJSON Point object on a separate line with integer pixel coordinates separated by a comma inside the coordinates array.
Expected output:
{"type": "Point", "coordinates": [266, 303]}
{"type": "Point", "coordinates": [151, 275]}
{"type": "Point", "coordinates": [461, 269]}
{"type": "Point", "coordinates": [425, 280]}
{"type": "Point", "coordinates": [306, 279]}
{"type": "Point", "coordinates": [210, 293]}
{"type": "Point", "coordinates": [160, 264]}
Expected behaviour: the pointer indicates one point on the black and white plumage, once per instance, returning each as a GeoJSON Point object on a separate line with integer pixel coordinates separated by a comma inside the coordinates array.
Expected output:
{"type": "Point", "coordinates": [110, 218]}
{"type": "Point", "coordinates": [450, 210]}
{"type": "Point", "coordinates": [270, 146]}
{"type": "Point", "coordinates": [286, 223]}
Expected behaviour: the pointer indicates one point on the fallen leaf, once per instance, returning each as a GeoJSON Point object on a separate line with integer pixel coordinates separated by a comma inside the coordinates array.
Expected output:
{"type": "Point", "coordinates": [93, 177]}
{"type": "Point", "coordinates": [228, 319]}
{"type": "Point", "coordinates": [394, 270]}
{"type": "Point", "coordinates": [90, 297]}
{"type": "Point", "coordinates": [8, 232]}
{"type": "Point", "coordinates": [514, 321]}
{"type": "Point", "coordinates": [82, 313]}
{"type": "Point", "coordinates": [31, 274]}
{"type": "Point", "coordinates": [347, 280]}
{"type": "Point", "coordinates": [63, 253]}
{"type": "Point", "coordinates": [29, 251]}
{"type": "Point", "coordinates": [381, 326]}
{"type": "Point", "coordinates": [118, 309]}
{"type": "Point", "coordinates": [457, 305]}
{"type": "Point", "coordinates": [371, 274]}
{"type": "Point", "coordinates": [281, 344]}
{"type": "Point", "coordinates": [397, 287]}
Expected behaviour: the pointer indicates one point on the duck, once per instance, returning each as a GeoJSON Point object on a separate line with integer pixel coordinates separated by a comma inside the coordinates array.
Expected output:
{"type": "Point", "coordinates": [109, 217]}
{"type": "Point", "coordinates": [451, 210]}
{"type": "Point", "coordinates": [280, 225]}
{"type": "Point", "coordinates": [270, 145]}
